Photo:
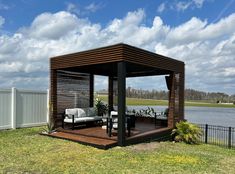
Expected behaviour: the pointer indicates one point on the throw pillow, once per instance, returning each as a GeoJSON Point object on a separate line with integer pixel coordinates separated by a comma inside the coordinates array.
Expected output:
{"type": "Point", "coordinates": [81, 112]}
{"type": "Point", "coordinates": [91, 112]}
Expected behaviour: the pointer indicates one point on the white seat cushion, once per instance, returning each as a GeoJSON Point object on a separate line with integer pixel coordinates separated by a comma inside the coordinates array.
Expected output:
{"type": "Point", "coordinates": [115, 125]}
{"type": "Point", "coordinates": [82, 119]}
{"type": "Point", "coordinates": [115, 120]}
{"type": "Point", "coordinates": [94, 118]}
{"type": "Point", "coordinates": [114, 113]}
{"type": "Point", "coordinates": [69, 120]}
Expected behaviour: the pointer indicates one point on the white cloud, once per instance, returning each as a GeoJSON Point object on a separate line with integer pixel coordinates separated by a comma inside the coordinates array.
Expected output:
{"type": "Point", "coordinates": [198, 3]}
{"type": "Point", "coordinates": [4, 6]}
{"type": "Point", "coordinates": [72, 8]}
{"type": "Point", "coordinates": [207, 49]}
{"type": "Point", "coordinates": [230, 71]}
{"type": "Point", "coordinates": [101, 82]}
{"type": "Point", "coordinates": [183, 5]}
{"type": "Point", "coordinates": [226, 7]}
{"type": "Point", "coordinates": [52, 26]}
{"type": "Point", "coordinates": [2, 21]}
{"type": "Point", "coordinates": [161, 8]}
{"type": "Point", "coordinates": [11, 67]}
{"type": "Point", "coordinates": [83, 10]}
{"type": "Point", "coordinates": [93, 7]}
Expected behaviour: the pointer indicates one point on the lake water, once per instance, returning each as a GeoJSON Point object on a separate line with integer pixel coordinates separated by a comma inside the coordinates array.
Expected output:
{"type": "Point", "coordinates": [203, 115]}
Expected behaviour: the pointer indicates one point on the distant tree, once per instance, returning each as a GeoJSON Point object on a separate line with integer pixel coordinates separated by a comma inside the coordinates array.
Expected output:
{"type": "Point", "coordinates": [190, 94]}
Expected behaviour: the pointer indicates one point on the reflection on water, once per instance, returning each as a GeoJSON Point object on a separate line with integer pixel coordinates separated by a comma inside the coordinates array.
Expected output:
{"type": "Point", "coordinates": [202, 115]}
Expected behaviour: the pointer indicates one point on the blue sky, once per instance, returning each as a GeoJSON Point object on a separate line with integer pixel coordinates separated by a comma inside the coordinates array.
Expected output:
{"type": "Point", "coordinates": [22, 12]}
{"type": "Point", "coordinates": [199, 32]}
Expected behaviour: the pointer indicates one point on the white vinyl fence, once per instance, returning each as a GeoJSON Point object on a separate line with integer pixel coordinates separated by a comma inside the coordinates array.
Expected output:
{"type": "Point", "coordinates": [23, 108]}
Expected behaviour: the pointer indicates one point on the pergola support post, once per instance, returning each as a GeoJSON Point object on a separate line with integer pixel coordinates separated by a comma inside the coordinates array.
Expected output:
{"type": "Point", "coordinates": [53, 98]}
{"type": "Point", "coordinates": [181, 96]}
{"type": "Point", "coordinates": [121, 74]}
{"type": "Point", "coordinates": [171, 112]}
{"type": "Point", "coordinates": [110, 94]}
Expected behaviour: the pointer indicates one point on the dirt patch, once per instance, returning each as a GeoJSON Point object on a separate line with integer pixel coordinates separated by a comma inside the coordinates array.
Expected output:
{"type": "Point", "coordinates": [146, 146]}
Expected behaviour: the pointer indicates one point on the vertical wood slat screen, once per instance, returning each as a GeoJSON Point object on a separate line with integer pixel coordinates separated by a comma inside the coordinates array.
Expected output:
{"type": "Point", "coordinates": [177, 87]}
{"type": "Point", "coordinates": [115, 92]}
{"type": "Point", "coordinates": [72, 90]}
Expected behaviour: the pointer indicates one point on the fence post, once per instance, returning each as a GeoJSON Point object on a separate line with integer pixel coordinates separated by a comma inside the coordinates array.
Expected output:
{"type": "Point", "coordinates": [229, 137]}
{"type": "Point", "coordinates": [206, 133]}
{"type": "Point", "coordinates": [48, 105]}
{"type": "Point", "coordinates": [13, 108]}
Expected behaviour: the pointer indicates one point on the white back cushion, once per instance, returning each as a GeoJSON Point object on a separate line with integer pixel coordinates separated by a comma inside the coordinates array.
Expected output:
{"type": "Point", "coordinates": [71, 112]}
{"type": "Point", "coordinates": [91, 112]}
{"type": "Point", "coordinates": [81, 112]}
{"type": "Point", "coordinates": [115, 108]}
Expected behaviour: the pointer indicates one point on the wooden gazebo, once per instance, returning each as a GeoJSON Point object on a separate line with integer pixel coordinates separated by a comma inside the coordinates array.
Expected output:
{"type": "Point", "coordinates": [72, 75]}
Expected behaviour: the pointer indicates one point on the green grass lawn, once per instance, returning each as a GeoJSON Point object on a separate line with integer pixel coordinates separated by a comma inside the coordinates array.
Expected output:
{"type": "Point", "coordinates": [25, 151]}
{"type": "Point", "coordinates": [150, 102]}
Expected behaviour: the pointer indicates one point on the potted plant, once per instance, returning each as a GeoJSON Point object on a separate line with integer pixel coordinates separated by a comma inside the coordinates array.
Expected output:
{"type": "Point", "coordinates": [101, 108]}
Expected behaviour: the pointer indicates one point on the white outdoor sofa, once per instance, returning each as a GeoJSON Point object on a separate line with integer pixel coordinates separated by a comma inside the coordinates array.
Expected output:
{"type": "Point", "coordinates": [80, 116]}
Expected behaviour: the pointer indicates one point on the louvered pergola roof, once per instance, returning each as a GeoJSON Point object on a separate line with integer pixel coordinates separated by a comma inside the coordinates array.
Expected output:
{"type": "Point", "coordinates": [102, 61]}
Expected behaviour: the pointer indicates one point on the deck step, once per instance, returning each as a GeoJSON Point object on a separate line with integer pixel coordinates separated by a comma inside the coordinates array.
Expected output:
{"type": "Point", "coordinates": [77, 132]}
{"type": "Point", "coordinates": [91, 141]}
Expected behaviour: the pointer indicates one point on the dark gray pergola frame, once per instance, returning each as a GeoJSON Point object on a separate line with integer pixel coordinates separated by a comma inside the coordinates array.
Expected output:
{"type": "Point", "coordinates": [118, 62]}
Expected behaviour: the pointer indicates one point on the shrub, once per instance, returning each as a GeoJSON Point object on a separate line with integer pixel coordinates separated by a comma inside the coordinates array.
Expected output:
{"type": "Point", "coordinates": [187, 132]}
{"type": "Point", "coordinates": [149, 112]}
{"type": "Point", "coordinates": [101, 108]}
{"type": "Point", "coordinates": [50, 128]}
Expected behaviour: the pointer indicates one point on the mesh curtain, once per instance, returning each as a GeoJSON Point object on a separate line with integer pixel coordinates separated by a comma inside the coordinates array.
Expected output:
{"type": "Point", "coordinates": [72, 90]}
{"type": "Point", "coordinates": [115, 93]}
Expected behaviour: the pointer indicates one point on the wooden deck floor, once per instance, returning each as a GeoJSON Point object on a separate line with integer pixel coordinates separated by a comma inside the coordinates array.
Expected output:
{"type": "Point", "coordinates": [97, 137]}
{"type": "Point", "coordinates": [86, 140]}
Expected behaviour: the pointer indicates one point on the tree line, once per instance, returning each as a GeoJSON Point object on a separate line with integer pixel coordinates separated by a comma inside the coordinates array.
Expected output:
{"type": "Point", "coordinates": [190, 94]}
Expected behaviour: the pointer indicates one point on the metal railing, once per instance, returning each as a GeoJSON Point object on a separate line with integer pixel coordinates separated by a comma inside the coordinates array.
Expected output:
{"type": "Point", "coordinates": [218, 135]}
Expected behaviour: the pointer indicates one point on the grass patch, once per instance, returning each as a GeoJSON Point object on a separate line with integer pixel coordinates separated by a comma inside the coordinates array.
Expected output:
{"type": "Point", "coordinates": [25, 151]}
{"type": "Point", "coordinates": [151, 102]}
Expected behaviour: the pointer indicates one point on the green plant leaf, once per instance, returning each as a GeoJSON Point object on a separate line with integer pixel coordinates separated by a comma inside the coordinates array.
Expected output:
{"type": "Point", "coordinates": [187, 132]}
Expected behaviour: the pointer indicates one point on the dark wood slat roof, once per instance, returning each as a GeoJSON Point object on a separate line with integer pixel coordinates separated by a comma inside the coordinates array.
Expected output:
{"type": "Point", "coordinates": [96, 56]}
{"type": "Point", "coordinates": [143, 57]}
{"type": "Point", "coordinates": [102, 61]}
